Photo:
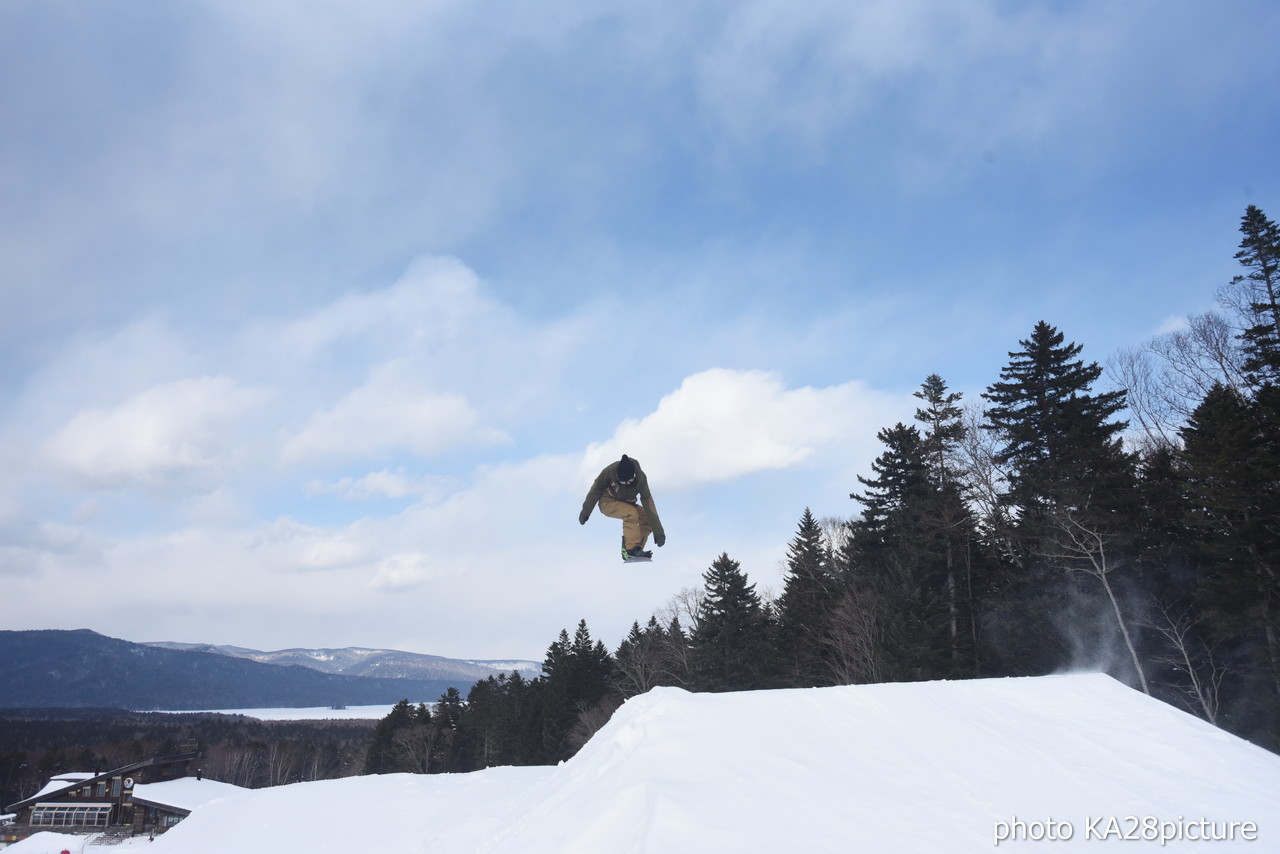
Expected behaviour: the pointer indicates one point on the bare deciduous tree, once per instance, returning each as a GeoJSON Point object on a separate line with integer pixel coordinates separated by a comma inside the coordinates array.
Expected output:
{"type": "Point", "coordinates": [1079, 547]}
{"type": "Point", "coordinates": [835, 533]}
{"type": "Point", "coordinates": [279, 762]}
{"type": "Point", "coordinates": [236, 764]}
{"type": "Point", "coordinates": [1168, 377]}
{"type": "Point", "coordinates": [986, 482]}
{"type": "Point", "coordinates": [591, 719]}
{"type": "Point", "coordinates": [853, 640]}
{"type": "Point", "coordinates": [414, 746]}
{"type": "Point", "coordinates": [684, 606]}
{"type": "Point", "coordinates": [1191, 658]}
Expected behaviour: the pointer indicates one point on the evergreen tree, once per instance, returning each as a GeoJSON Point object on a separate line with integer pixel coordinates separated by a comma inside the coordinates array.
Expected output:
{"type": "Point", "coordinates": [1058, 436]}
{"type": "Point", "coordinates": [381, 757]}
{"type": "Point", "coordinates": [592, 666]}
{"type": "Point", "coordinates": [809, 592]}
{"type": "Point", "coordinates": [730, 644]}
{"type": "Point", "coordinates": [1163, 543]}
{"type": "Point", "coordinates": [894, 559]}
{"type": "Point", "coordinates": [901, 478]}
{"type": "Point", "coordinates": [1068, 472]}
{"type": "Point", "coordinates": [491, 730]}
{"type": "Point", "coordinates": [942, 417]}
{"type": "Point", "coordinates": [447, 754]}
{"type": "Point", "coordinates": [577, 675]}
{"type": "Point", "coordinates": [1233, 482]}
{"type": "Point", "coordinates": [401, 741]}
{"type": "Point", "coordinates": [948, 512]}
{"type": "Point", "coordinates": [1260, 255]}
{"type": "Point", "coordinates": [676, 652]}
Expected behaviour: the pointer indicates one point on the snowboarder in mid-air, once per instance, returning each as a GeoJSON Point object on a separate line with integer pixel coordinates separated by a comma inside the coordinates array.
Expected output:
{"type": "Point", "coordinates": [616, 489]}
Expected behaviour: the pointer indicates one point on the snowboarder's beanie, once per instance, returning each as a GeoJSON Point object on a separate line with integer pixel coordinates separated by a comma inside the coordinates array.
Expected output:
{"type": "Point", "coordinates": [626, 469]}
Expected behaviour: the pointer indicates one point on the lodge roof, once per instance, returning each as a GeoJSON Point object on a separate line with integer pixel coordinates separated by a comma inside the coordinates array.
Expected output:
{"type": "Point", "coordinates": [183, 795]}
{"type": "Point", "coordinates": [74, 780]}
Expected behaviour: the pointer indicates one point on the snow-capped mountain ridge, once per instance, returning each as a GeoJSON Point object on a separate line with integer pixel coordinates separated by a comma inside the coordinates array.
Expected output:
{"type": "Point", "coordinates": [362, 661]}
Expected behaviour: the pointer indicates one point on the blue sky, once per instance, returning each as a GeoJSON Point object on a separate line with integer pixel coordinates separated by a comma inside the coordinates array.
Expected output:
{"type": "Point", "coordinates": [319, 320]}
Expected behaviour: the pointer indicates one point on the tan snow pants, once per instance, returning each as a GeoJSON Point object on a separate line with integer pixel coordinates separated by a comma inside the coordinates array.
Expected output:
{"type": "Point", "coordinates": [635, 522]}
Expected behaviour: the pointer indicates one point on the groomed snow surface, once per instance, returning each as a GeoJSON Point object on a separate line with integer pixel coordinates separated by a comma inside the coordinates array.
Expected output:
{"type": "Point", "coordinates": [997, 764]}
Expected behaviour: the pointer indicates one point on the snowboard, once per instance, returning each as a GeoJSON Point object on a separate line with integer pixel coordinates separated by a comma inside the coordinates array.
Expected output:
{"type": "Point", "coordinates": [626, 558]}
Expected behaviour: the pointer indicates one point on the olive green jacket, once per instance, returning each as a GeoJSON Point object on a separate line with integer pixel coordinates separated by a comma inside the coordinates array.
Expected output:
{"type": "Point", "coordinates": [606, 483]}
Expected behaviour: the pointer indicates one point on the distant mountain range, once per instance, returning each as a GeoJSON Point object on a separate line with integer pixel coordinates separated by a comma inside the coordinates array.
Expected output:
{"type": "Point", "coordinates": [358, 661]}
{"type": "Point", "coordinates": [83, 669]}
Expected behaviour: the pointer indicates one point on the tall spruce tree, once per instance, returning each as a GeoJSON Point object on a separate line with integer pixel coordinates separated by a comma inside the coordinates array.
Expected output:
{"type": "Point", "coordinates": [1260, 255]}
{"type": "Point", "coordinates": [900, 478]}
{"type": "Point", "coordinates": [730, 646]}
{"type": "Point", "coordinates": [1066, 469]}
{"type": "Point", "coordinates": [1059, 437]}
{"type": "Point", "coordinates": [446, 725]}
{"type": "Point", "coordinates": [809, 591]}
{"type": "Point", "coordinates": [894, 559]}
{"type": "Point", "coordinates": [944, 427]}
{"type": "Point", "coordinates": [946, 508]}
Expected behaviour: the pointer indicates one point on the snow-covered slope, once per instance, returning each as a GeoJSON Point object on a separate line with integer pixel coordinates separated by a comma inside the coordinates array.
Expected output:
{"type": "Point", "coordinates": [921, 767]}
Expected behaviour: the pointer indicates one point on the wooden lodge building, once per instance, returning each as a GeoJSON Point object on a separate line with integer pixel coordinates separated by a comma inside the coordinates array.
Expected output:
{"type": "Point", "coordinates": [145, 797]}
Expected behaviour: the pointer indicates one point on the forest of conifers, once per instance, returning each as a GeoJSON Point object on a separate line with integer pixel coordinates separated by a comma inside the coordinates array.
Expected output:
{"type": "Point", "coordinates": [1125, 519]}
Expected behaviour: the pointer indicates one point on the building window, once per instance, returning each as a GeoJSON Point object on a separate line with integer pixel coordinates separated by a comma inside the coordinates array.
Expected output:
{"type": "Point", "coordinates": [102, 788]}
{"type": "Point", "coordinates": [115, 787]}
{"type": "Point", "coordinates": [70, 815]}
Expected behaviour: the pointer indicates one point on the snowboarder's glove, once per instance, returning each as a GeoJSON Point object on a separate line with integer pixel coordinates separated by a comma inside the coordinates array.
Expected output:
{"type": "Point", "coordinates": [582, 517]}
{"type": "Point", "coordinates": [659, 539]}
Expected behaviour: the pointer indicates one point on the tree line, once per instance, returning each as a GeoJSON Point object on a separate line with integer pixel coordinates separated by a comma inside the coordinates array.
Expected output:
{"type": "Point", "coordinates": [37, 745]}
{"type": "Point", "coordinates": [1030, 532]}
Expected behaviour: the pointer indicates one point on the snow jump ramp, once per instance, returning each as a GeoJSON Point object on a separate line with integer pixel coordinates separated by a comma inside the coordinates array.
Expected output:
{"type": "Point", "coordinates": [1075, 762]}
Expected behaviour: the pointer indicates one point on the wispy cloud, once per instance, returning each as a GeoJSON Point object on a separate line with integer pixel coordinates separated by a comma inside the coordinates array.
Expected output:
{"type": "Point", "coordinates": [162, 436]}
{"type": "Point", "coordinates": [725, 424]}
{"type": "Point", "coordinates": [377, 419]}
{"type": "Point", "coordinates": [384, 484]}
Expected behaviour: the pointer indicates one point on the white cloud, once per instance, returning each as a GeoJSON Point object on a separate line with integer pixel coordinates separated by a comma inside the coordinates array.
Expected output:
{"type": "Point", "coordinates": [436, 300]}
{"type": "Point", "coordinates": [723, 424]}
{"type": "Point", "coordinates": [404, 572]}
{"type": "Point", "coordinates": [383, 484]}
{"type": "Point", "coordinates": [156, 437]}
{"type": "Point", "coordinates": [416, 367]}
{"type": "Point", "coordinates": [375, 419]}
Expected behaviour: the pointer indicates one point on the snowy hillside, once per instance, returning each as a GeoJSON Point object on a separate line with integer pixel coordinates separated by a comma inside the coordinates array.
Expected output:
{"type": "Point", "coordinates": [924, 767]}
